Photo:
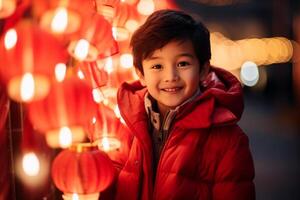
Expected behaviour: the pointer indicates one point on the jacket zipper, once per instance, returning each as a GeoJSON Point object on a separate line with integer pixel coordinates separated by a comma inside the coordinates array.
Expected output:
{"type": "Point", "coordinates": [169, 133]}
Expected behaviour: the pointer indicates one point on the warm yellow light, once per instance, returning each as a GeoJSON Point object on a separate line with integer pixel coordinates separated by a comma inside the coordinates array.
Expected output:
{"type": "Point", "coordinates": [82, 49]}
{"type": "Point", "coordinates": [286, 49]}
{"type": "Point", "coordinates": [10, 39]}
{"type": "Point", "coordinates": [108, 143]}
{"type": "Point", "coordinates": [126, 60]}
{"type": "Point", "coordinates": [65, 137]}
{"type": "Point", "coordinates": [146, 7]}
{"type": "Point", "coordinates": [114, 32]}
{"type": "Point", "coordinates": [118, 114]}
{"type": "Point", "coordinates": [249, 73]}
{"type": "Point", "coordinates": [7, 7]}
{"type": "Point", "coordinates": [108, 67]}
{"type": "Point", "coordinates": [75, 196]}
{"type": "Point", "coordinates": [97, 95]}
{"type": "Point", "coordinates": [80, 74]}
{"type": "Point", "coordinates": [120, 33]}
{"type": "Point", "coordinates": [131, 25]}
{"type": "Point", "coordinates": [31, 164]}
{"type": "Point", "coordinates": [117, 111]}
{"type": "Point", "coordinates": [60, 20]}
{"type": "Point", "coordinates": [27, 87]}
{"type": "Point", "coordinates": [60, 72]}
{"type": "Point", "coordinates": [94, 120]}
{"type": "Point", "coordinates": [105, 144]}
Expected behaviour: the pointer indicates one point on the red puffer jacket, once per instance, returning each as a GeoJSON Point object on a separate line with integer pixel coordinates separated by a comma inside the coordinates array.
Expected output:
{"type": "Point", "coordinates": [206, 155]}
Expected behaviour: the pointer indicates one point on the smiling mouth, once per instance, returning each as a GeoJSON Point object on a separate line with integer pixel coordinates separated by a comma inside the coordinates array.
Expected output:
{"type": "Point", "coordinates": [175, 89]}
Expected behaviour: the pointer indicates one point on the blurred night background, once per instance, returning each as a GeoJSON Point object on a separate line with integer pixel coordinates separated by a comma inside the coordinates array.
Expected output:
{"type": "Point", "coordinates": [272, 116]}
{"type": "Point", "coordinates": [267, 34]}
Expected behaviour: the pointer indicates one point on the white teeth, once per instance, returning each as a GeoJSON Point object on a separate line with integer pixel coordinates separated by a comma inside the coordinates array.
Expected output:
{"type": "Point", "coordinates": [171, 89]}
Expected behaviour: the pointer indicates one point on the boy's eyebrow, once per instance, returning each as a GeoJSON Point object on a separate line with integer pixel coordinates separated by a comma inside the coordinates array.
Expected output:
{"type": "Point", "coordinates": [153, 58]}
{"type": "Point", "coordinates": [179, 55]}
{"type": "Point", "coordinates": [185, 54]}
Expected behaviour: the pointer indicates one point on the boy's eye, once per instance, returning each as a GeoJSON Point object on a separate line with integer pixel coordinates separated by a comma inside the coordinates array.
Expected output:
{"type": "Point", "coordinates": [183, 64]}
{"type": "Point", "coordinates": [157, 66]}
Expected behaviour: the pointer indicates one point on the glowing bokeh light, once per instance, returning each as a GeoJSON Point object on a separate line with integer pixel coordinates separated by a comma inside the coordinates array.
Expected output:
{"type": "Point", "coordinates": [97, 95]}
{"type": "Point", "coordinates": [60, 72]}
{"type": "Point", "coordinates": [10, 39]}
{"type": "Point", "coordinates": [75, 196]}
{"type": "Point", "coordinates": [108, 66]}
{"type": "Point", "coordinates": [145, 7]}
{"type": "Point", "coordinates": [131, 25]}
{"type": "Point", "coordinates": [60, 20]}
{"type": "Point", "coordinates": [81, 49]}
{"type": "Point", "coordinates": [31, 164]}
{"type": "Point", "coordinates": [65, 137]}
{"type": "Point", "coordinates": [27, 87]}
{"type": "Point", "coordinates": [249, 73]}
{"type": "Point", "coordinates": [126, 60]}
{"type": "Point", "coordinates": [80, 74]}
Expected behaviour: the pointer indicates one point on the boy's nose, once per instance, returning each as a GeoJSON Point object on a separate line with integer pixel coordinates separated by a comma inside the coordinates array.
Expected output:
{"type": "Point", "coordinates": [171, 74]}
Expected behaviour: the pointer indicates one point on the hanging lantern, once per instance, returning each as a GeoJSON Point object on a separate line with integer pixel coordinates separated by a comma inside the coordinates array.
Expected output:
{"type": "Point", "coordinates": [125, 21]}
{"type": "Point", "coordinates": [93, 73]}
{"type": "Point", "coordinates": [107, 8]}
{"type": "Point", "coordinates": [93, 40]}
{"type": "Point", "coordinates": [7, 8]}
{"type": "Point", "coordinates": [63, 114]}
{"type": "Point", "coordinates": [33, 162]}
{"type": "Point", "coordinates": [26, 65]}
{"type": "Point", "coordinates": [82, 172]}
{"type": "Point", "coordinates": [103, 129]}
{"type": "Point", "coordinates": [64, 16]}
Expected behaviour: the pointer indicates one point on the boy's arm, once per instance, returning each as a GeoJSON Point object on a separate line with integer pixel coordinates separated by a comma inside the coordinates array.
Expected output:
{"type": "Point", "coordinates": [235, 172]}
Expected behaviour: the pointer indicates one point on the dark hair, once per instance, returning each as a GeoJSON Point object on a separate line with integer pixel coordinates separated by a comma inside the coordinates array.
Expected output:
{"type": "Point", "coordinates": [164, 26]}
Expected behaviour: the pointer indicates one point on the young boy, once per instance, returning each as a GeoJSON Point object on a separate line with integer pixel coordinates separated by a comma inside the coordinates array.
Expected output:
{"type": "Point", "coordinates": [184, 142]}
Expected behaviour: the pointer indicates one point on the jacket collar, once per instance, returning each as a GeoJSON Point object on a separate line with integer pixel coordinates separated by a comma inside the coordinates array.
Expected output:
{"type": "Point", "coordinates": [154, 115]}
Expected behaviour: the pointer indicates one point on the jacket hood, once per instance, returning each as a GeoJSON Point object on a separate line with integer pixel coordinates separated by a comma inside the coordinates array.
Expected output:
{"type": "Point", "coordinates": [220, 102]}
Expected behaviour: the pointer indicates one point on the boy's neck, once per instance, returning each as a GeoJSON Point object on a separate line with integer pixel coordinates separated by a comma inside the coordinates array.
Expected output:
{"type": "Point", "coordinates": [163, 110]}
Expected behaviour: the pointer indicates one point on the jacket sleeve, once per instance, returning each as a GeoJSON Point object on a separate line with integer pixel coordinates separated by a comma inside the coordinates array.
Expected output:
{"type": "Point", "coordinates": [235, 171]}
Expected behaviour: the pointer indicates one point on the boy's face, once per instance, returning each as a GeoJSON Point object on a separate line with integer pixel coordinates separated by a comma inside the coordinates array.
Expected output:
{"type": "Point", "coordinates": [171, 74]}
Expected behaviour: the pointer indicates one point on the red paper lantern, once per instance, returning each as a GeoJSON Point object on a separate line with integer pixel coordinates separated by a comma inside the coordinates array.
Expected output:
{"type": "Point", "coordinates": [94, 74]}
{"type": "Point", "coordinates": [67, 109]}
{"type": "Point", "coordinates": [125, 21]}
{"type": "Point", "coordinates": [29, 54]}
{"type": "Point", "coordinates": [94, 40]}
{"type": "Point", "coordinates": [64, 17]}
{"type": "Point", "coordinates": [82, 170]}
{"type": "Point", "coordinates": [104, 128]}
{"type": "Point", "coordinates": [35, 158]}
{"type": "Point", "coordinates": [107, 8]}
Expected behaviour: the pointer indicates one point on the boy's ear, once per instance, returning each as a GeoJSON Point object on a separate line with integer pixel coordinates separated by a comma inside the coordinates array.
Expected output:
{"type": "Point", "coordinates": [141, 76]}
{"type": "Point", "coordinates": [204, 70]}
